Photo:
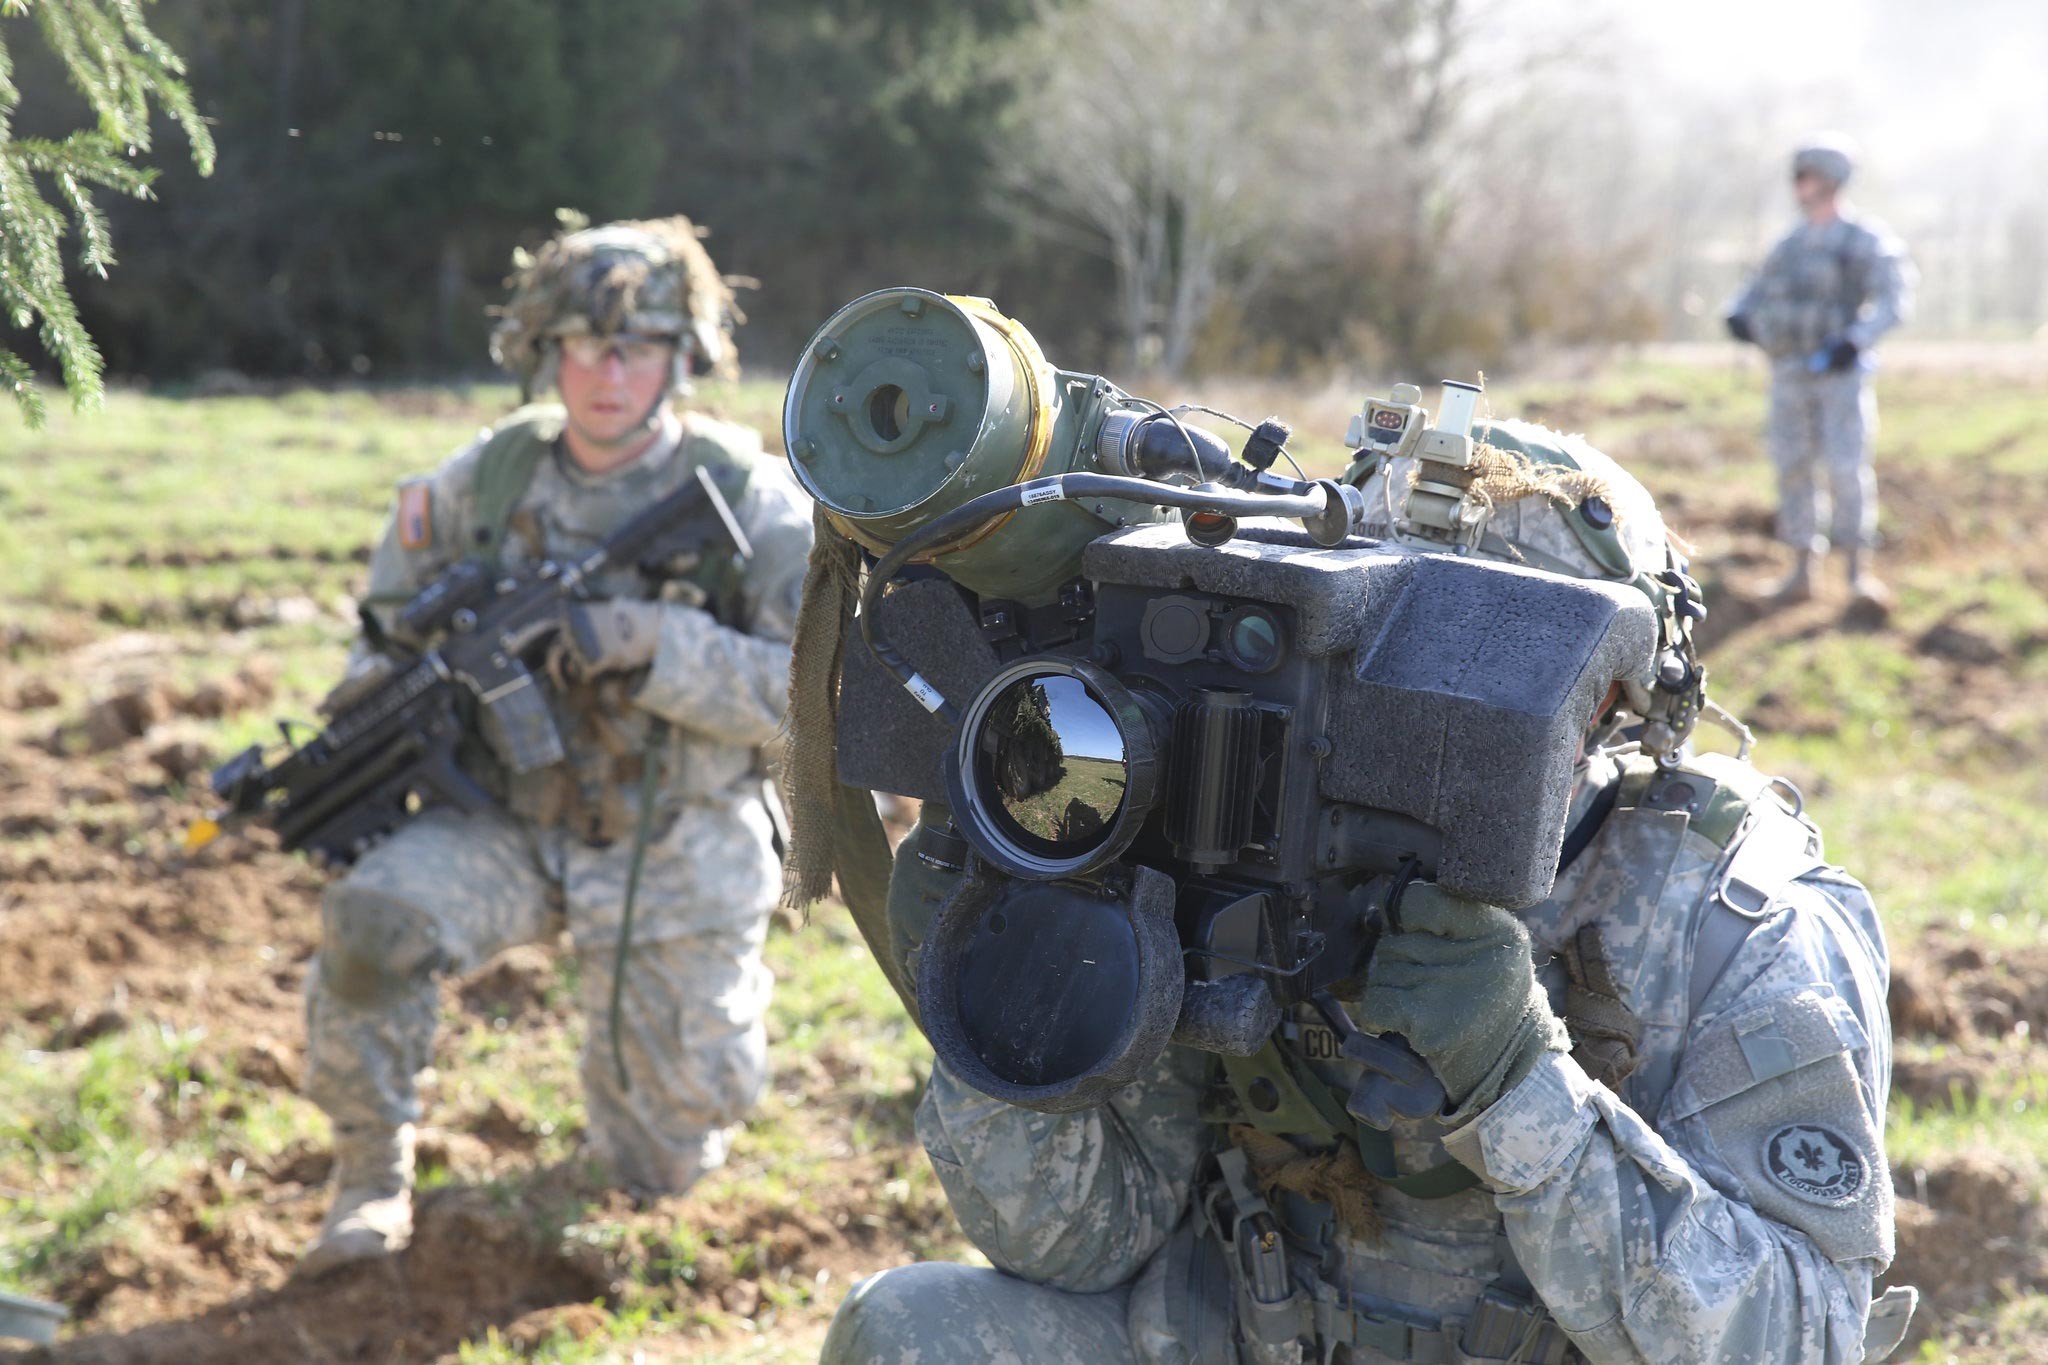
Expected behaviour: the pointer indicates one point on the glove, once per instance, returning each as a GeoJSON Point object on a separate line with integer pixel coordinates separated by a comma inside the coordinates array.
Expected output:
{"type": "Point", "coordinates": [1454, 977]}
{"type": "Point", "coordinates": [615, 635]}
{"type": "Point", "coordinates": [1738, 327]}
{"type": "Point", "coordinates": [1842, 354]}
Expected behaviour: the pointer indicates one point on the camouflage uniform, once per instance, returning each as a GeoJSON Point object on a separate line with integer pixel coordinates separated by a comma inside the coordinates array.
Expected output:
{"type": "Point", "coordinates": [1846, 280]}
{"type": "Point", "coordinates": [1718, 1193]}
{"type": "Point", "coordinates": [448, 891]}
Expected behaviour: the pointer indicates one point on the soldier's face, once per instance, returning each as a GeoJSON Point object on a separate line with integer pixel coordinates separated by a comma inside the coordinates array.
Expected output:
{"type": "Point", "coordinates": [1812, 190]}
{"type": "Point", "coordinates": [610, 384]}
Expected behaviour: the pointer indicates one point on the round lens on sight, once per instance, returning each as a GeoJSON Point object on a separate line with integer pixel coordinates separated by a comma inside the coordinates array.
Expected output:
{"type": "Point", "coordinates": [1051, 759]}
{"type": "Point", "coordinates": [1251, 639]}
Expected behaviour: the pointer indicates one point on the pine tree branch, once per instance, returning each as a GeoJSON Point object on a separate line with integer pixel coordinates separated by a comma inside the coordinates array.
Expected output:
{"type": "Point", "coordinates": [121, 68]}
{"type": "Point", "coordinates": [20, 383]}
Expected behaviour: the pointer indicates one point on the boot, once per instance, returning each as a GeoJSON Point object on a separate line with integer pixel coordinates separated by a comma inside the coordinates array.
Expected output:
{"type": "Point", "coordinates": [1865, 586]}
{"type": "Point", "coordinates": [1797, 586]}
{"type": "Point", "coordinates": [372, 1211]}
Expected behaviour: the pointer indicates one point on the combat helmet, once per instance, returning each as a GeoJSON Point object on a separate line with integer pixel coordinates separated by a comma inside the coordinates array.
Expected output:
{"type": "Point", "coordinates": [1555, 503]}
{"type": "Point", "coordinates": [651, 277]}
{"type": "Point", "coordinates": [1831, 156]}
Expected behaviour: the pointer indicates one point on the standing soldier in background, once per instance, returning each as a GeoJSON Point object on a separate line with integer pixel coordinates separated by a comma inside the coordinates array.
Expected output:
{"type": "Point", "coordinates": [668, 687]}
{"type": "Point", "coordinates": [1829, 289]}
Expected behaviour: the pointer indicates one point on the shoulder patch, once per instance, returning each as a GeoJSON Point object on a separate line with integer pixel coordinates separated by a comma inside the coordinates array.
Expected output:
{"type": "Point", "coordinates": [415, 514]}
{"type": "Point", "coordinates": [1816, 1164]}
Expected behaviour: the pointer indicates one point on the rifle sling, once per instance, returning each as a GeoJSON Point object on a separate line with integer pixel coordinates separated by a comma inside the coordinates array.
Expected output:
{"type": "Point", "coordinates": [650, 784]}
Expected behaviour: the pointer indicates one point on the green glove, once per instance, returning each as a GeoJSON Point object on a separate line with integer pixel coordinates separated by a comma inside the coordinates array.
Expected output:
{"type": "Point", "coordinates": [1455, 978]}
{"type": "Point", "coordinates": [615, 635]}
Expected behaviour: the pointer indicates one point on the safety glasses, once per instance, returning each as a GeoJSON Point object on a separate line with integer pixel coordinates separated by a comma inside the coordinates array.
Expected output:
{"type": "Point", "coordinates": [639, 353]}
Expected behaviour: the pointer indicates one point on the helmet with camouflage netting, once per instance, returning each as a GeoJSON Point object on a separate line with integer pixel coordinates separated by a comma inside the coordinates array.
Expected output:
{"type": "Point", "coordinates": [648, 277]}
{"type": "Point", "coordinates": [1555, 503]}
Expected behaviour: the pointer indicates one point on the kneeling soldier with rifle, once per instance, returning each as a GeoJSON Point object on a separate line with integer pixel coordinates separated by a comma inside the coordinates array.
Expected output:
{"type": "Point", "coordinates": [575, 649]}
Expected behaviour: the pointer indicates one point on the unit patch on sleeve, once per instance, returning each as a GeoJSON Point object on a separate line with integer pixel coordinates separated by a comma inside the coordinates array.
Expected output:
{"type": "Point", "coordinates": [1815, 1164]}
{"type": "Point", "coordinates": [416, 515]}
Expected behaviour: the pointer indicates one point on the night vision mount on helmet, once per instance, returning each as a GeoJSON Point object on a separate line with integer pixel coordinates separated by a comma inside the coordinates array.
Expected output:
{"type": "Point", "coordinates": [1182, 712]}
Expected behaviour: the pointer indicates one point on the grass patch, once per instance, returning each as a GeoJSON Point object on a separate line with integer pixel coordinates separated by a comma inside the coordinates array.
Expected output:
{"type": "Point", "coordinates": [169, 515]}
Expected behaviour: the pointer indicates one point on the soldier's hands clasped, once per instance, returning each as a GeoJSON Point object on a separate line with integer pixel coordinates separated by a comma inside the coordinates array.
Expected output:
{"type": "Point", "coordinates": [1455, 978]}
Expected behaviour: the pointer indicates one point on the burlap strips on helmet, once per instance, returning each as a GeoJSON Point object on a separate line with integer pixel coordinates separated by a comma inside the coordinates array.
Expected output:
{"type": "Point", "coordinates": [1500, 477]}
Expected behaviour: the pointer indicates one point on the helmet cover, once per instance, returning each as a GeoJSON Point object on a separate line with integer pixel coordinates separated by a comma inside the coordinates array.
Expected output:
{"type": "Point", "coordinates": [648, 277]}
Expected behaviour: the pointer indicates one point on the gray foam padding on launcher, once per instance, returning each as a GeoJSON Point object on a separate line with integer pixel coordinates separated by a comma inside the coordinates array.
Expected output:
{"type": "Point", "coordinates": [887, 741]}
{"type": "Point", "coordinates": [1467, 709]}
{"type": "Point", "coordinates": [1329, 590]}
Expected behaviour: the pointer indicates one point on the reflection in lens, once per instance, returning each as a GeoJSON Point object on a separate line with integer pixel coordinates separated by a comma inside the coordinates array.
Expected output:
{"type": "Point", "coordinates": [1053, 758]}
{"type": "Point", "coordinates": [1254, 641]}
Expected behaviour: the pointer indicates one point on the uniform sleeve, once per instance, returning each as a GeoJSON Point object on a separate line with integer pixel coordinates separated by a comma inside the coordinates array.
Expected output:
{"type": "Point", "coordinates": [428, 530]}
{"type": "Point", "coordinates": [1744, 303]}
{"type": "Point", "coordinates": [731, 681]}
{"type": "Point", "coordinates": [1749, 1223]}
{"type": "Point", "coordinates": [1076, 1201]}
{"type": "Point", "coordinates": [1889, 300]}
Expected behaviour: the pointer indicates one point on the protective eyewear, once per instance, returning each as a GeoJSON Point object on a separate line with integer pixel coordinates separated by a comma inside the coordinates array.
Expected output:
{"type": "Point", "coordinates": [634, 352]}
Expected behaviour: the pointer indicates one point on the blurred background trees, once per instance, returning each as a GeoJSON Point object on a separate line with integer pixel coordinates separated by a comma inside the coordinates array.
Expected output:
{"type": "Point", "coordinates": [1234, 185]}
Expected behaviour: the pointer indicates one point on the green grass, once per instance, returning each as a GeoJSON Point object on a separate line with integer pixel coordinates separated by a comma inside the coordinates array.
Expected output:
{"type": "Point", "coordinates": [93, 1135]}
{"type": "Point", "coordinates": [162, 514]}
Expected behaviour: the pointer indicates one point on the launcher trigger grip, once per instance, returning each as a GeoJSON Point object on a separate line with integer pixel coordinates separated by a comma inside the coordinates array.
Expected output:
{"type": "Point", "coordinates": [1396, 1081]}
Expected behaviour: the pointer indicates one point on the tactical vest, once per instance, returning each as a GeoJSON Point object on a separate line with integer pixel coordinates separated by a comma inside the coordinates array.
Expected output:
{"type": "Point", "coordinates": [592, 804]}
{"type": "Point", "coordinates": [1293, 1170]}
{"type": "Point", "coordinates": [1811, 287]}
{"type": "Point", "coordinates": [511, 455]}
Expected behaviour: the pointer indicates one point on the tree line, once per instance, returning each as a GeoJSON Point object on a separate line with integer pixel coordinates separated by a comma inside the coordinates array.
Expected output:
{"type": "Point", "coordinates": [1168, 185]}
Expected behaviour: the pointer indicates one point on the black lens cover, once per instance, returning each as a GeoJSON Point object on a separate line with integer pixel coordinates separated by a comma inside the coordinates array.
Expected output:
{"type": "Point", "coordinates": [1052, 995]}
{"type": "Point", "coordinates": [1048, 981]}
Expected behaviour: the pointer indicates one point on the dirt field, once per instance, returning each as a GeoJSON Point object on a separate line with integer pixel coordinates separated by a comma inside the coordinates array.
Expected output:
{"type": "Point", "coordinates": [187, 565]}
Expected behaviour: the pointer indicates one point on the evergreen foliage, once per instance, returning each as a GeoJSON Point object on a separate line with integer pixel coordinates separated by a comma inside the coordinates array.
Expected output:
{"type": "Point", "coordinates": [120, 68]}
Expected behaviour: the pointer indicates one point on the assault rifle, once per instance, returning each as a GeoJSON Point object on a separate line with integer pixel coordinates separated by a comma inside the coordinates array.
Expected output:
{"type": "Point", "coordinates": [395, 747]}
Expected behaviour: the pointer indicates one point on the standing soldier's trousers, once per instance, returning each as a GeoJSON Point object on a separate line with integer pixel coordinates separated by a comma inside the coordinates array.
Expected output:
{"type": "Point", "coordinates": [448, 891]}
{"type": "Point", "coordinates": [1823, 422]}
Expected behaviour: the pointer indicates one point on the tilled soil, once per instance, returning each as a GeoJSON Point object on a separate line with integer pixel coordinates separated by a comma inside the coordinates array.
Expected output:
{"type": "Point", "coordinates": [106, 925]}
{"type": "Point", "coordinates": [1971, 1227]}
